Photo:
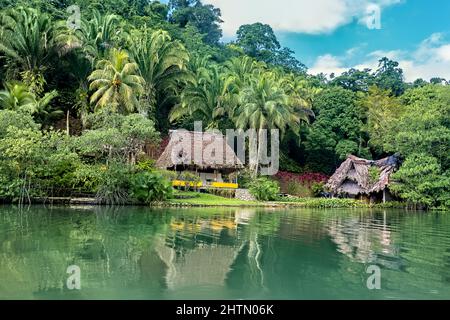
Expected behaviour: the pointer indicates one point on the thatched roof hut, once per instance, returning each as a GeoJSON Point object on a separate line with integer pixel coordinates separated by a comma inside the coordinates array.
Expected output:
{"type": "Point", "coordinates": [357, 176]}
{"type": "Point", "coordinates": [198, 150]}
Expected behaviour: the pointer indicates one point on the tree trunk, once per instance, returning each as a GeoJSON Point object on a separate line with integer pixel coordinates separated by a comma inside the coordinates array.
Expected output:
{"type": "Point", "coordinates": [68, 123]}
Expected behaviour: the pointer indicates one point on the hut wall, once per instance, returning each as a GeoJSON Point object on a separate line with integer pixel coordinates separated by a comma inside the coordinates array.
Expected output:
{"type": "Point", "coordinates": [351, 188]}
{"type": "Point", "coordinates": [210, 177]}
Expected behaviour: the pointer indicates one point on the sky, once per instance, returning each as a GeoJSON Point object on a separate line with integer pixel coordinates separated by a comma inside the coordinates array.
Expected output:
{"type": "Point", "coordinates": [331, 36]}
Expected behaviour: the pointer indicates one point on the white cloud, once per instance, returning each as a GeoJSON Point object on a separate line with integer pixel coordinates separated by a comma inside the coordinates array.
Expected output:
{"type": "Point", "coordinates": [430, 59]}
{"type": "Point", "coordinates": [306, 16]}
{"type": "Point", "coordinates": [328, 64]}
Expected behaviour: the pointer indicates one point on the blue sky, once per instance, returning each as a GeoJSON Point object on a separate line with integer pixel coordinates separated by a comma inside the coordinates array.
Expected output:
{"type": "Point", "coordinates": [332, 35]}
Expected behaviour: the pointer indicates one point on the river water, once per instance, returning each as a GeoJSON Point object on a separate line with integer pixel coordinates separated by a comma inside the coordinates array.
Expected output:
{"type": "Point", "coordinates": [216, 253]}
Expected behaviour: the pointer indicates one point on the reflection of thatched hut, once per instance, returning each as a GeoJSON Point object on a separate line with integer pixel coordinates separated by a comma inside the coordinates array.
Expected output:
{"type": "Point", "coordinates": [206, 265]}
{"type": "Point", "coordinates": [205, 154]}
{"type": "Point", "coordinates": [361, 178]}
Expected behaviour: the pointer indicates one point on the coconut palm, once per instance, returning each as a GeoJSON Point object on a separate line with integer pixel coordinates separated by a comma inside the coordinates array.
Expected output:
{"type": "Point", "coordinates": [241, 69]}
{"type": "Point", "coordinates": [264, 105]}
{"type": "Point", "coordinates": [26, 39]}
{"type": "Point", "coordinates": [206, 97]}
{"type": "Point", "coordinates": [300, 90]}
{"type": "Point", "coordinates": [162, 63]}
{"type": "Point", "coordinates": [116, 83]}
{"type": "Point", "coordinates": [300, 96]}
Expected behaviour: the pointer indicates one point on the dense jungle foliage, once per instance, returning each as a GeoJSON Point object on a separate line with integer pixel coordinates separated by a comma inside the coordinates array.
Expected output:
{"type": "Point", "coordinates": [82, 95]}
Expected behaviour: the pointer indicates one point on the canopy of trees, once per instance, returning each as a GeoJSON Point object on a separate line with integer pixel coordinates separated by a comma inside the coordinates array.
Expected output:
{"type": "Point", "coordinates": [78, 97]}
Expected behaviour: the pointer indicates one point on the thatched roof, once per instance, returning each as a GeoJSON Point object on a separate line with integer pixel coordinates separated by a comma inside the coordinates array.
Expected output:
{"type": "Point", "coordinates": [353, 176]}
{"type": "Point", "coordinates": [203, 150]}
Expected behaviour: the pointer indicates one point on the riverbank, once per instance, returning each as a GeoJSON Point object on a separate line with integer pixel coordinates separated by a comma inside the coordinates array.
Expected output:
{"type": "Point", "coordinates": [195, 199]}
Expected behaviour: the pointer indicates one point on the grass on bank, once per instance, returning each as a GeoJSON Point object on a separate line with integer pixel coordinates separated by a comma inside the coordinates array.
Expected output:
{"type": "Point", "coordinates": [191, 198]}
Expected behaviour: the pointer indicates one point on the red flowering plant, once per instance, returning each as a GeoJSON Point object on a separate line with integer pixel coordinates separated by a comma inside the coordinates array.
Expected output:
{"type": "Point", "coordinates": [308, 178]}
{"type": "Point", "coordinates": [300, 184]}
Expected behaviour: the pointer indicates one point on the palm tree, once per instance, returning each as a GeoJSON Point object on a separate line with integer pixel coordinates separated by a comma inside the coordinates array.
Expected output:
{"type": "Point", "coordinates": [26, 39]}
{"type": "Point", "coordinates": [116, 83]}
{"type": "Point", "coordinates": [103, 30]}
{"type": "Point", "coordinates": [300, 96]}
{"type": "Point", "coordinates": [16, 96]}
{"type": "Point", "coordinates": [92, 39]}
{"type": "Point", "coordinates": [264, 105]}
{"type": "Point", "coordinates": [206, 97]}
{"type": "Point", "coordinates": [241, 69]}
{"type": "Point", "coordinates": [41, 108]}
{"type": "Point", "coordinates": [162, 63]}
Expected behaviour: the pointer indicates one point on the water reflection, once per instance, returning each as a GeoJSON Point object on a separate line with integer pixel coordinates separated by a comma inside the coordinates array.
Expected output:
{"type": "Point", "coordinates": [222, 253]}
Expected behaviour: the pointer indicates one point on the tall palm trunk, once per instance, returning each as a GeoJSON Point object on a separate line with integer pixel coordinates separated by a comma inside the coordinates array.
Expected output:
{"type": "Point", "coordinates": [68, 123]}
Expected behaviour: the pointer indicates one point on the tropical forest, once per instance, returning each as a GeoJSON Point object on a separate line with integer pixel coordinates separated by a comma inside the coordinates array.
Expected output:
{"type": "Point", "coordinates": [91, 89]}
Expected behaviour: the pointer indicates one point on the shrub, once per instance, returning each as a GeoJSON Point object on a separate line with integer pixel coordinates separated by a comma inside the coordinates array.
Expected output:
{"type": "Point", "coordinates": [298, 189]}
{"type": "Point", "coordinates": [10, 189]}
{"type": "Point", "coordinates": [264, 189]}
{"type": "Point", "coordinates": [166, 174]}
{"type": "Point", "coordinates": [191, 178]}
{"type": "Point", "coordinates": [146, 165]}
{"type": "Point", "coordinates": [422, 182]}
{"type": "Point", "coordinates": [87, 178]}
{"type": "Point", "coordinates": [114, 184]}
{"type": "Point", "coordinates": [244, 178]}
{"type": "Point", "coordinates": [150, 187]}
{"type": "Point", "coordinates": [317, 188]}
{"type": "Point", "coordinates": [226, 193]}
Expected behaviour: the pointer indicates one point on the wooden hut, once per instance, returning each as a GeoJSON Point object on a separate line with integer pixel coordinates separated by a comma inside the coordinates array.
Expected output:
{"type": "Point", "coordinates": [205, 154]}
{"type": "Point", "coordinates": [363, 179]}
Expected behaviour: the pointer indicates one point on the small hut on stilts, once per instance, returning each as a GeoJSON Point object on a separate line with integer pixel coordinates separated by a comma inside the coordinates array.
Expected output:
{"type": "Point", "coordinates": [363, 179]}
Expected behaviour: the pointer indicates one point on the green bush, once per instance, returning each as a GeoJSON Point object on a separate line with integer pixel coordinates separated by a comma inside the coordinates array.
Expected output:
{"type": "Point", "coordinates": [191, 178]}
{"type": "Point", "coordinates": [226, 193]}
{"type": "Point", "coordinates": [146, 165]}
{"type": "Point", "coordinates": [264, 189]}
{"type": "Point", "coordinates": [327, 202]}
{"type": "Point", "coordinates": [296, 188]}
{"type": "Point", "coordinates": [149, 187]}
{"type": "Point", "coordinates": [245, 178]}
{"type": "Point", "coordinates": [114, 184]}
{"type": "Point", "coordinates": [317, 188]}
{"type": "Point", "coordinates": [10, 189]}
{"type": "Point", "coordinates": [422, 182]}
{"type": "Point", "coordinates": [87, 178]}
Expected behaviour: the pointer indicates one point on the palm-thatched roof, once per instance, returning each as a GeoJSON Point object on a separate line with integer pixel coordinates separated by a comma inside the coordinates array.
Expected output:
{"type": "Point", "coordinates": [354, 176]}
{"type": "Point", "coordinates": [202, 150]}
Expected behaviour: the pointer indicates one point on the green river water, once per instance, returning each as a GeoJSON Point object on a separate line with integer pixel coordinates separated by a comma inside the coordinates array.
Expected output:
{"type": "Point", "coordinates": [217, 253]}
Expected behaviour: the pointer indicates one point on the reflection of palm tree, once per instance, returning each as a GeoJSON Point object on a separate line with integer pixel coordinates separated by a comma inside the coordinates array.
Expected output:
{"type": "Point", "coordinates": [254, 256]}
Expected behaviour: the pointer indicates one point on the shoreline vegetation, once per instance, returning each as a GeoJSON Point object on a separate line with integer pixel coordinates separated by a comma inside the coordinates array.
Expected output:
{"type": "Point", "coordinates": [193, 199]}
{"type": "Point", "coordinates": [86, 108]}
